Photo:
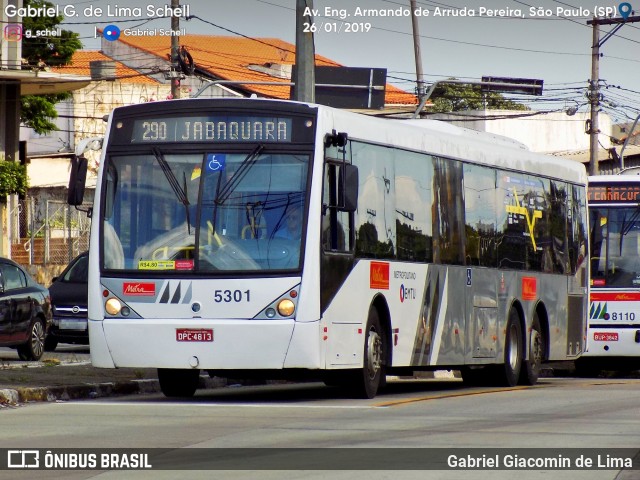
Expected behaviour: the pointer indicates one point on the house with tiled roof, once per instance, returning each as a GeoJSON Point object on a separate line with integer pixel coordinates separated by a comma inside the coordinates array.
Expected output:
{"type": "Point", "coordinates": [49, 156]}
{"type": "Point", "coordinates": [113, 84]}
{"type": "Point", "coordinates": [226, 58]}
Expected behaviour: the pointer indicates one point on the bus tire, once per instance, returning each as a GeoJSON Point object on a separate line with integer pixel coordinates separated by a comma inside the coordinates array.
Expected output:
{"type": "Point", "coordinates": [531, 371]}
{"type": "Point", "coordinates": [369, 378]}
{"type": "Point", "coordinates": [513, 350]}
{"type": "Point", "coordinates": [178, 382]}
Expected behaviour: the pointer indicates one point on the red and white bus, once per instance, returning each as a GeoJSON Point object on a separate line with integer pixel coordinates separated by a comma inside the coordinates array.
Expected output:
{"type": "Point", "coordinates": [613, 335]}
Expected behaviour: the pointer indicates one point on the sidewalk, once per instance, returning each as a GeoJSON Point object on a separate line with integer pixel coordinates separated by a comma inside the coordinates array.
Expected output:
{"type": "Point", "coordinates": [52, 380]}
{"type": "Point", "coordinates": [69, 375]}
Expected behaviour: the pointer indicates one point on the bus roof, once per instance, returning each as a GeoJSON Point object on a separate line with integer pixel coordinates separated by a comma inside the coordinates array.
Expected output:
{"type": "Point", "coordinates": [429, 136]}
{"type": "Point", "coordinates": [440, 138]}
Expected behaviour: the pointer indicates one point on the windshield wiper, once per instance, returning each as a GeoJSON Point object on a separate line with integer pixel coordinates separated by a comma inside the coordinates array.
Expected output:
{"type": "Point", "coordinates": [175, 185]}
{"type": "Point", "coordinates": [242, 171]}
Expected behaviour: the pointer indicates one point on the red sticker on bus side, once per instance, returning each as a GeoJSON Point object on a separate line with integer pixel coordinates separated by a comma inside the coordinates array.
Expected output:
{"type": "Point", "coordinates": [379, 275]}
{"type": "Point", "coordinates": [529, 288]}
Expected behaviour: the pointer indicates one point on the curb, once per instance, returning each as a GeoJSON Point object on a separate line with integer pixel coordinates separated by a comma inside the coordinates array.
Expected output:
{"type": "Point", "coordinates": [16, 396]}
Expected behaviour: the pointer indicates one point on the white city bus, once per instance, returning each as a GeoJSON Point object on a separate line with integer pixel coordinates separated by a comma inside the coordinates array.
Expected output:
{"type": "Point", "coordinates": [423, 246]}
{"type": "Point", "coordinates": [613, 335]}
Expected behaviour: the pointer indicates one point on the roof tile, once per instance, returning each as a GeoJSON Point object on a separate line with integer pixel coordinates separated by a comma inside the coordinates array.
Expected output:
{"type": "Point", "coordinates": [229, 58]}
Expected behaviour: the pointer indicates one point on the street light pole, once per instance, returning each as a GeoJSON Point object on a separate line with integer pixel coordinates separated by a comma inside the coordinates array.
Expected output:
{"type": "Point", "coordinates": [304, 82]}
{"type": "Point", "coordinates": [594, 97]}
{"type": "Point", "coordinates": [594, 83]}
{"type": "Point", "coordinates": [175, 51]}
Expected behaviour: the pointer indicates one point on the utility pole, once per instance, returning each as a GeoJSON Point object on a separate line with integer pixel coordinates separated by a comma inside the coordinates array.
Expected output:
{"type": "Point", "coordinates": [175, 51]}
{"type": "Point", "coordinates": [305, 81]}
{"type": "Point", "coordinates": [594, 97]}
{"type": "Point", "coordinates": [594, 83]}
{"type": "Point", "coordinates": [416, 51]}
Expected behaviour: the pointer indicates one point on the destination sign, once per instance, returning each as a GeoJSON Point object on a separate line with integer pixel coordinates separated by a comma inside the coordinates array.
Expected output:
{"type": "Point", "coordinates": [617, 192]}
{"type": "Point", "coordinates": [212, 129]}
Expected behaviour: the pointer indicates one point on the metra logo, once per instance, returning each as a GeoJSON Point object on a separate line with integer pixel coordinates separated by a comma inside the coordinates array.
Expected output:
{"type": "Point", "coordinates": [379, 275]}
{"type": "Point", "coordinates": [139, 289]}
{"type": "Point", "coordinates": [522, 210]}
{"type": "Point", "coordinates": [529, 288]}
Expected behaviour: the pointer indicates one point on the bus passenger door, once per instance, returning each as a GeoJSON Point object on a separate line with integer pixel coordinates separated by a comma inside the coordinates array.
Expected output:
{"type": "Point", "coordinates": [482, 307]}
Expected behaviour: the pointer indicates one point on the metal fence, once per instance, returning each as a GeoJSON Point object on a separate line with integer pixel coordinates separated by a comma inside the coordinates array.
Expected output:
{"type": "Point", "coordinates": [46, 231]}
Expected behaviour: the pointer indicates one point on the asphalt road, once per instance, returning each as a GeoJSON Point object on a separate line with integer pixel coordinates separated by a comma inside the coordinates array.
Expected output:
{"type": "Point", "coordinates": [426, 416]}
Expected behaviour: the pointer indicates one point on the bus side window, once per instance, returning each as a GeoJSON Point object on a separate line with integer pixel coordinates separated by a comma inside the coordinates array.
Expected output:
{"type": "Point", "coordinates": [336, 225]}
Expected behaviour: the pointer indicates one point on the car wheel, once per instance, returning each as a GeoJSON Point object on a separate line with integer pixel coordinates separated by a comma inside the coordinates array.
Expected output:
{"type": "Point", "coordinates": [33, 348]}
{"type": "Point", "coordinates": [177, 382]}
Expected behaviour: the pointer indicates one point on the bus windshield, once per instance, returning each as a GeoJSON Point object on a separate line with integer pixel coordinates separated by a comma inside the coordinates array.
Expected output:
{"type": "Point", "coordinates": [204, 211]}
{"type": "Point", "coordinates": [615, 251]}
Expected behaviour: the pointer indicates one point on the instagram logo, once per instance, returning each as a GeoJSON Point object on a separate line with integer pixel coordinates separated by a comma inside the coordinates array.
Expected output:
{"type": "Point", "coordinates": [13, 32]}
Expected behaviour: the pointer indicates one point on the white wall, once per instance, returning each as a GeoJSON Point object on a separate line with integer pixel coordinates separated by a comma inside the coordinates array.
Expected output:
{"type": "Point", "coordinates": [546, 133]}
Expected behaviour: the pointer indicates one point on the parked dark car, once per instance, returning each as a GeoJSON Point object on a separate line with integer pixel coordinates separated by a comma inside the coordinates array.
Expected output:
{"type": "Point", "coordinates": [69, 304]}
{"type": "Point", "coordinates": [25, 311]}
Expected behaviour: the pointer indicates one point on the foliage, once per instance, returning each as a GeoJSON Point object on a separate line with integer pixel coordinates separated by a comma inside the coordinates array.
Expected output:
{"type": "Point", "coordinates": [13, 178]}
{"type": "Point", "coordinates": [41, 52]}
{"type": "Point", "coordinates": [465, 96]}
{"type": "Point", "coordinates": [37, 110]}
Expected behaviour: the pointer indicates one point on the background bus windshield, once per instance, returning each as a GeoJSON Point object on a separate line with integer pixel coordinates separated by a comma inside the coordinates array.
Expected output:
{"type": "Point", "coordinates": [204, 211]}
{"type": "Point", "coordinates": [615, 252]}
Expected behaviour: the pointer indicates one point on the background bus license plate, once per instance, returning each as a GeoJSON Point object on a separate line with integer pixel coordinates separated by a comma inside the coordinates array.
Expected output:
{"type": "Point", "coordinates": [605, 337]}
{"type": "Point", "coordinates": [194, 334]}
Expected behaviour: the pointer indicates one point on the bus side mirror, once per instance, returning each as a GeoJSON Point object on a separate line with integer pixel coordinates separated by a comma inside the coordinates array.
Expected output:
{"type": "Point", "coordinates": [77, 180]}
{"type": "Point", "coordinates": [348, 188]}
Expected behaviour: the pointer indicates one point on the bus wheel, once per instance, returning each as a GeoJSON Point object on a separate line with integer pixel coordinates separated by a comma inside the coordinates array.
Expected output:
{"type": "Point", "coordinates": [531, 371]}
{"type": "Point", "coordinates": [175, 382]}
{"type": "Point", "coordinates": [513, 350]}
{"type": "Point", "coordinates": [370, 377]}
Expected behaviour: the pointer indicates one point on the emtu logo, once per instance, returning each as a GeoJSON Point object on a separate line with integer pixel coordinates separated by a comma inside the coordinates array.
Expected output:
{"type": "Point", "coordinates": [13, 32]}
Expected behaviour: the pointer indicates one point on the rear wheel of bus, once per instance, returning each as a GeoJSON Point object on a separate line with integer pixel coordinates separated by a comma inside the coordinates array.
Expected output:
{"type": "Point", "coordinates": [513, 350]}
{"type": "Point", "coordinates": [531, 369]}
{"type": "Point", "coordinates": [175, 382]}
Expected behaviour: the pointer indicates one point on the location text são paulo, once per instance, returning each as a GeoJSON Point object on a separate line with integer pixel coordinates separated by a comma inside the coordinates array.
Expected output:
{"type": "Point", "coordinates": [533, 11]}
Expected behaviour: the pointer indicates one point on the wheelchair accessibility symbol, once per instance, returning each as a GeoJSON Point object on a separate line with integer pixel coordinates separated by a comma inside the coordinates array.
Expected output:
{"type": "Point", "coordinates": [216, 162]}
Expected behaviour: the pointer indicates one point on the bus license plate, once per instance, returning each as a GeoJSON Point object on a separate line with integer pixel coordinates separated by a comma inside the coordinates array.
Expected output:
{"type": "Point", "coordinates": [194, 334]}
{"type": "Point", "coordinates": [605, 337]}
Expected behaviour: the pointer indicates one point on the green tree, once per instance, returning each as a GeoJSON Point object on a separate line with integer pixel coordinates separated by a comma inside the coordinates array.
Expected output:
{"type": "Point", "coordinates": [465, 96]}
{"type": "Point", "coordinates": [38, 111]}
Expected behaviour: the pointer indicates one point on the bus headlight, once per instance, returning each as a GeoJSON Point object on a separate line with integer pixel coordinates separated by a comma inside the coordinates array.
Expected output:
{"type": "Point", "coordinates": [113, 306]}
{"type": "Point", "coordinates": [286, 307]}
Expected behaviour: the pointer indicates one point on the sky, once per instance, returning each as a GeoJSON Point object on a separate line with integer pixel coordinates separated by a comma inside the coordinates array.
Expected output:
{"type": "Point", "coordinates": [466, 39]}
